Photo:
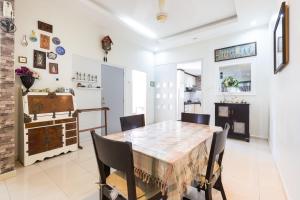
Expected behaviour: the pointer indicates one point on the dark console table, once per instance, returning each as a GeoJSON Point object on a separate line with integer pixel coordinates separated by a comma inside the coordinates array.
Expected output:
{"type": "Point", "coordinates": [237, 115]}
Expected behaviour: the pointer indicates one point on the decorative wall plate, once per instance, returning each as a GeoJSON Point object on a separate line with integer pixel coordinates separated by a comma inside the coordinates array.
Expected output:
{"type": "Point", "coordinates": [33, 37]}
{"type": "Point", "coordinates": [56, 41]}
{"type": "Point", "coordinates": [60, 50]}
{"type": "Point", "coordinates": [52, 55]}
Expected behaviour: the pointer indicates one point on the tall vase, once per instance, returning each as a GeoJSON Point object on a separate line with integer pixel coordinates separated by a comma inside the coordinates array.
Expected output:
{"type": "Point", "coordinates": [27, 81]}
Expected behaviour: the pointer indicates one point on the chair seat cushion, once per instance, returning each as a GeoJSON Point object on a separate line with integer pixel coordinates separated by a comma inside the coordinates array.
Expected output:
{"type": "Point", "coordinates": [215, 173]}
{"type": "Point", "coordinates": [143, 190]}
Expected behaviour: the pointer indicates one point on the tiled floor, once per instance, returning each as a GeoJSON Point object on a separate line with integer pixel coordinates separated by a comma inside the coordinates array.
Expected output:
{"type": "Point", "coordinates": [249, 174]}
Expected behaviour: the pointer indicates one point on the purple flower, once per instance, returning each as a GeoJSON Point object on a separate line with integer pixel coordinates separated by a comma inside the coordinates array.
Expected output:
{"type": "Point", "coordinates": [23, 71]}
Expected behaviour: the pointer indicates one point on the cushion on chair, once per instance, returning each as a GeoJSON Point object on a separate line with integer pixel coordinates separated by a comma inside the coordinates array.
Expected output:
{"type": "Point", "coordinates": [216, 172]}
{"type": "Point", "coordinates": [143, 191]}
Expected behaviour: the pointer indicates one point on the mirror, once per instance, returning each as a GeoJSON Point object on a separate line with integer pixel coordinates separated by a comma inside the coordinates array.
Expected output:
{"type": "Point", "coordinates": [235, 79]}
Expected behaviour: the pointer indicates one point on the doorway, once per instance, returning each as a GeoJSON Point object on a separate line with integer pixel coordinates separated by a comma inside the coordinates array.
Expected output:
{"type": "Point", "coordinates": [112, 81]}
{"type": "Point", "coordinates": [139, 92]}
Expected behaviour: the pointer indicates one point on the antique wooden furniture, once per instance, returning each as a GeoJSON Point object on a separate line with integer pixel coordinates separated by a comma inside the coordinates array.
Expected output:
{"type": "Point", "coordinates": [78, 111]}
{"type": "Point", "coordinates": [195, 118]}
{"type": "Point", "coordinates": [168, 154]}
{"type": "Point", "coordinates": [49, 127]}
{"type": "Point", "coordinates": [237, 115]}
{"type": "Point", "coordinates": [211, 178]}
{"type": "Point", "coordinates": [131, 122]}
{"type": "Point", "coordinates": [118, 155]}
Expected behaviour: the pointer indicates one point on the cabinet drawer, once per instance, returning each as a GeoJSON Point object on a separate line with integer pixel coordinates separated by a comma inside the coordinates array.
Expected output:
{"type": "Point", "coordinates": [38, 124]}
{"type": "Point", "coordinates": [70, 126]}
{"type": "Point", "coordinates": [65, 120]}
{"type": "Point", "coordinates": [71, 134]}
{"type": "Point", "coordinates": [71, 141]}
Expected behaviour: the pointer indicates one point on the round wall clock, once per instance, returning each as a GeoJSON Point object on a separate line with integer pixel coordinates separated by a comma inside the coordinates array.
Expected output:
{"type": "Point", "coordinates": [60, 50]}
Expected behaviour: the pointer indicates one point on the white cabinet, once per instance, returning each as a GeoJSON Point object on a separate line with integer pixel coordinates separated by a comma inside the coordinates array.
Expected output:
{"type": "Point", "coordinates": [189, 80]}
{"type": "Point", "coordinates": [193, 108]}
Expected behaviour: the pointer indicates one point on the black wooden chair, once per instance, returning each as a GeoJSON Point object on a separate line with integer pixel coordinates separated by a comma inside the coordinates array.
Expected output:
{"type": "Point", "coordinates": [118, 155]}
{"type": "Point", "coordinates": [211, 178]}
{"type": "Point", "coordinates": [131, 122]}
{"type": "Point", "coordinates": [195, 118]}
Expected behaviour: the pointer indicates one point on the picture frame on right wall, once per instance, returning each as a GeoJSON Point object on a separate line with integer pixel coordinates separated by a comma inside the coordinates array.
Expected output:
{"type": "Point", "coordinates": [281, 39]}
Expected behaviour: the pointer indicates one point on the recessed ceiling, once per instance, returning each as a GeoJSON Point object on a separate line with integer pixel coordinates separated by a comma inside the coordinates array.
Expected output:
{"type": "Point", "coordinates": [182, 15]}
{"type": "Point", "coordinates": [189, 21]}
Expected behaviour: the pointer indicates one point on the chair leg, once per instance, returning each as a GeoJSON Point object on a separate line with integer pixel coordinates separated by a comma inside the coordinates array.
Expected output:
{"type": "Point", "coordinates": [222, 191]}
{"type": "Point", "coordinates": [208, 194]}
{"type": "Point", "coordinates": [219, 186]}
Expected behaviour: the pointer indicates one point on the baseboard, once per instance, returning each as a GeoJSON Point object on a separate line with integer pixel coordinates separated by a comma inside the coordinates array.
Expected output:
{"type": "Point", "coordinates": [258, 137]}
{"type": "Point", "coordinates": [8, 175]}
{"type": "Point", "coordinates": [284, 188]}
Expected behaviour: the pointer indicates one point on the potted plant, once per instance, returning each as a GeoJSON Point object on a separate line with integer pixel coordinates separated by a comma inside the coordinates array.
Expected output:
{"type": "Point", "coordinates": [27, 77]}
{"type": "Point", "coordinates": [231, 84]}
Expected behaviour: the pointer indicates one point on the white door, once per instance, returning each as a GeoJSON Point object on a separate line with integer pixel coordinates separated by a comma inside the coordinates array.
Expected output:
{"type": "Point", "coordinates": [112, 82]}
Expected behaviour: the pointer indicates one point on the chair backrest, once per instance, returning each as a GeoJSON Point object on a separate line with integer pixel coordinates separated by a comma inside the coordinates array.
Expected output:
{"type": "Point", "coordinates": [131, 122]}
{"type": "Point", "coordinates": [195, 118]}
{"type": "Point", "coordinates": [117, 155]}
{"type": "Point", "coordinates": [217, 151]}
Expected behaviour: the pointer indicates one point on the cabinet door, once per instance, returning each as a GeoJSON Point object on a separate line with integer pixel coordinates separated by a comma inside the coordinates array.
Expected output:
{"type": "Point", "coordinates": [37, 142]}
{"type": "Point", "coordinates": [54, 137]}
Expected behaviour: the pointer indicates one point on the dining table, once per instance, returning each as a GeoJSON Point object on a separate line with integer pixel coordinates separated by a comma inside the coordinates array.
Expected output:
{"type": "Point", "coordinates": [169, 154]}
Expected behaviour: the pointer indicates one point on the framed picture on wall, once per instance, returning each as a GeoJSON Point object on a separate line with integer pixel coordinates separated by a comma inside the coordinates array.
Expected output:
{"type": "Point", "coordinates": [235, 52]}
{"type": "Point", "coordinates": [281, 39]}
{"type": "Point", "coordinates": [53, 68]}
{"type": "Point", "coordinates": [39, 59]}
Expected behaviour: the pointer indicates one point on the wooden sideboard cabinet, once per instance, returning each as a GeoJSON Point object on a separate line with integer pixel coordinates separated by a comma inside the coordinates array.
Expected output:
{"type": "Point", "coordinates": [49, 126]}
{"type": "Point", "coordinates": [237, 115]}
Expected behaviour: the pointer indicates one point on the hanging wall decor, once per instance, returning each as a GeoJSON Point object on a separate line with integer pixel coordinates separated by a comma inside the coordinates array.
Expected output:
{"type": "Point", "coordinates": [53, 68]}
{"type": "Point", "coordinates": [106, 46]}
{"type": "Point", "coordinates": [60, 50]}
{"type": "Point", "coordinates": [39, 59]}
{"type": "Point", "coordinates": [24, 42]}
{"type": "Point", "coordinates": [51, 55]}
{"type": "Point", "coordinates": [45, 27]}
{"type": "Point", "coordinates": [281, 39]}
{"type": "Point", "coordinates": [45, 42]}
{"type": "Point", "coordinates": [22, 59]}
{"type": "Point", "coordinates": [56, 41]}
{"type": "Point", "coordinates": [235, 52]}
{"type": "Point", "coordinates": [33, 37]}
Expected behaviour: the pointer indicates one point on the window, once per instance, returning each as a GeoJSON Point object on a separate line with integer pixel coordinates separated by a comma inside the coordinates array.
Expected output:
{"type": "Point", "coordinates": [139, 92]}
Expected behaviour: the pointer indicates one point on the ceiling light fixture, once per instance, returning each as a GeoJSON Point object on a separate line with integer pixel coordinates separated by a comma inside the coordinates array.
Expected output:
{"type": "Point", "coordinates": [138, 27]}
{"type": "Point", "coordinates": [162, 16]}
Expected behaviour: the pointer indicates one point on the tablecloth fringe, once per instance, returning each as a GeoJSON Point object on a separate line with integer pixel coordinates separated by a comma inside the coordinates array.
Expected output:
{"type": "Point", "coordinates": [147, 178]}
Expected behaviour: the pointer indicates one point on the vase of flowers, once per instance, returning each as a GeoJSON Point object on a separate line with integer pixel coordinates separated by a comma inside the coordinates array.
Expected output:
{"type": "Point", "coordinates": [231, 84]}
{"type": "Point", "coordinates": [27, 77]}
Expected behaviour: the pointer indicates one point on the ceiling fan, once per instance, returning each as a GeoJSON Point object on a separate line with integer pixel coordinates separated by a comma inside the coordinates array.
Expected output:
{"type": "Point", "coordinates": [162, 16]}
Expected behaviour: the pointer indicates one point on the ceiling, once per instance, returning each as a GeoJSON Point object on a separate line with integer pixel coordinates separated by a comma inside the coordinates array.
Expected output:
{"type": "Point", "coordinates": [189, 21]}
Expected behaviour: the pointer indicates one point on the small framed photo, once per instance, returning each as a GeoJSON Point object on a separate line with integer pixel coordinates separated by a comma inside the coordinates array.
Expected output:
{"type": "Point", "coordinates": [45, 42]}
{"type": "Point", "coordinates": [53, 68]}
{"type": "Point", "coordinates": [39, 59]}
{"type": "Point", "coordinates": [22, 59]}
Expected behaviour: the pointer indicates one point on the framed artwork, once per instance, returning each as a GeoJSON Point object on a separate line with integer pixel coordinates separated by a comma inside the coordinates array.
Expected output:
{"type": "Point", "coordinates": [281, 39]}
{"type": "Point", "coordinates": [39, 59]}
{"type": "Point", "coordinates": [235, 52]}
{"type": "Point", "coordinates": [22, 59]}
{"type": "Point", "coordinates": [53, 68]}
{"type": "Point", "coordinates": [45, 42]}
{"type": "Point", "coordinates": [45, 27]}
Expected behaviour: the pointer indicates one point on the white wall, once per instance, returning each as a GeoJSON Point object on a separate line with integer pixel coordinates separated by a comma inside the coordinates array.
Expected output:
{"type": "Point", "coordinates": [259, 109]}
{"type": "Point", "coordinates": [285, 109]}
{"type": "Point", "coordinates": [80, 35]}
